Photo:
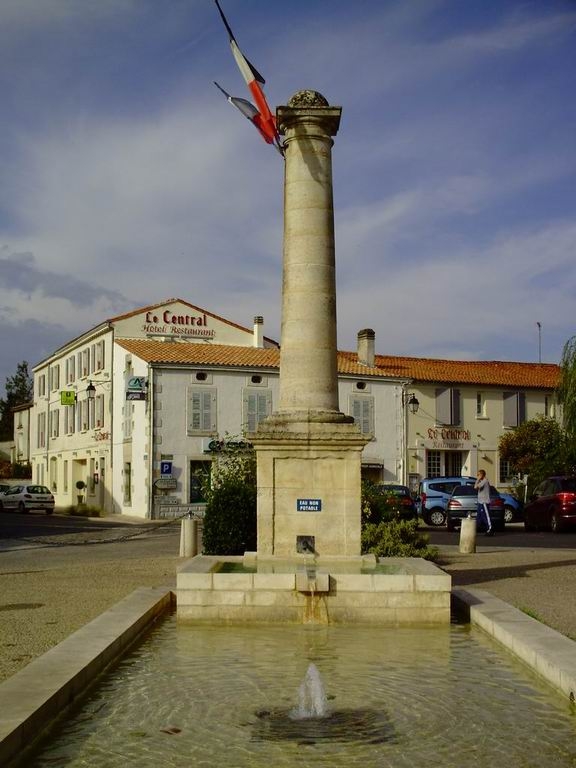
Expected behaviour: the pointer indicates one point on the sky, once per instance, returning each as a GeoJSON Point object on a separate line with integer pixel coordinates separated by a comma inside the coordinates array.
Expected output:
{"type": "Point", "coordinates": [127, 178]}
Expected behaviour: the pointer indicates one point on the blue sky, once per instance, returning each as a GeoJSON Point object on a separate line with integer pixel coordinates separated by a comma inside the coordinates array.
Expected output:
{"type": "Point", "coordinates": [128, 179]}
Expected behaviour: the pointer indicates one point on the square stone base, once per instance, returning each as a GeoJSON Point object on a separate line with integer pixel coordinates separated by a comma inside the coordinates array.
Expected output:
{"type": "Point", "coordinates": [407, 591]}
{"type": "Point", "coordinates": [309, 487]}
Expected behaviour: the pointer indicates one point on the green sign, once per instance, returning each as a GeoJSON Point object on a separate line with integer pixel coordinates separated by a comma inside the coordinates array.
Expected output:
{"type": "Point", "coordinates": [68, 397]}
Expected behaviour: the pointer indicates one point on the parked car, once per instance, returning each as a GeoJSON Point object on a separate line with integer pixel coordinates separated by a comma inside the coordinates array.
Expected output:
{"type": "Point", "coordinates": [399, 500]}
{"type": "Point", "coordinates": [513, 508]}
{"type": "Point", "coordinates": [433, 496]}
{"type": "Point", "coordinates": [464, 503]}
{"type": "Point", "coordinates": [27, 497]}
{"type": "Point", "coordinates": [552, 505]}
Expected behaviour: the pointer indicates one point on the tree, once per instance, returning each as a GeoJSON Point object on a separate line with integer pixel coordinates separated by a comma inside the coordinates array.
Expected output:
{"type": "Point", "coordinates": [19, 391]}
{"type": "Point", "coordinates": [537, 448]}
{"type": "Point", "coordinates": [567, 387]}
{"type": "Point", "coordinates": [230, 493]}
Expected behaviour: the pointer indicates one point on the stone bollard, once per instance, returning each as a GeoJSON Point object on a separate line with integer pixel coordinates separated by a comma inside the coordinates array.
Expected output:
{"type": "Point", "coordinates": [189, 537]}
{"type": "Point", "coordinates": [468, 535]}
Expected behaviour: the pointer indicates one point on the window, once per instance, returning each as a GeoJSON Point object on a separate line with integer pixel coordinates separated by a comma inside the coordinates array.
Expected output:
{"type": "Point", "coordinates": [54, 377]}
{"type": "Point", "coordinates": [514, 408]}
{"type": "Point", "coordinates": [505, 471]}
{"type": "Point", "coordinates": [448, 406]}
{"type": "Point", "coordinates": [65, 476]}
{"type": "Point", "coordinates": [41, 385]}
{"type": "Point", "coordinates": [199, 474]}
{"type": "Point", "coordinates": [54, 423]}
{"type": "Point", "coordinates": [99, 356]}
{"type": "Point", "coordinates": [256, 406]}
{"type": "Point", "coordinates": [433, 464]}
{"type": "Point", "coordinates": [85, 362]}
{"type": "Point", "coordinates": [70, 369]}
{"type": "Point", "coordinates": [99, 405]}
{"type": "Point", "coordinates": [480, 405]}
{"type": "Point", "coordinates": [84, 413]}
{"type": "Point", "coordinates": [201, 410]}
{"type": "Point", "coordinates": [362, 410]}
{"type": "Point", "coordinates": [69, 419]}
{"type": "Point", "coordinates": [41, 436]}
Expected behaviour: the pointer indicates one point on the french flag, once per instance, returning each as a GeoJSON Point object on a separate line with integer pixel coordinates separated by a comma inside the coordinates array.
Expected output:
{"type": "Point", "coordinates": [260, 115]}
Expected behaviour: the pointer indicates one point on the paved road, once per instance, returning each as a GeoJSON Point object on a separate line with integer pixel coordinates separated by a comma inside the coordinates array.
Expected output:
{"type": "Point", "coordinates": [54, 578]}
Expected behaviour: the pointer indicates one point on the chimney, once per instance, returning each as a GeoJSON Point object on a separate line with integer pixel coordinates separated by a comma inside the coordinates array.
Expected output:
{"type": "Point", "coordinates": [366, 347]}
{"type": "Point", "coordinates": [258, 331]}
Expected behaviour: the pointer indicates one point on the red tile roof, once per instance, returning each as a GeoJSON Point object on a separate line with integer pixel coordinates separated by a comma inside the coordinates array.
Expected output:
{"type": "Point", "coordinates": [419, 370]}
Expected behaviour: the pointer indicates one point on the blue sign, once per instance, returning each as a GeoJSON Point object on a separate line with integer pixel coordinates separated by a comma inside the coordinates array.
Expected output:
{"type": "Point", "coordinates": [309, 505]}
{"type": "Point", "coordinates": [166, 468]}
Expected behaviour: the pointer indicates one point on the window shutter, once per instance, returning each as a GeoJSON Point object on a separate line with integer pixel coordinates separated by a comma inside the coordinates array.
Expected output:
{"type": "Point", "coordinates": [442, 406]}
{"type": "Point", "coordinates": [455, 420]}
{"type": "Point", "coordinates": [521, 407]}
{"type": "Point", "coordinates": [363, 413]}
{"type": "Point", "coordinates": [201, 410]}
{"type": "Point", "coordinates": [510, 409]}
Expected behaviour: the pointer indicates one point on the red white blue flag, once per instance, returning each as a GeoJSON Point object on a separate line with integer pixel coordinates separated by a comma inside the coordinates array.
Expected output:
{"type": "Point", "coordinates": [260, 115]}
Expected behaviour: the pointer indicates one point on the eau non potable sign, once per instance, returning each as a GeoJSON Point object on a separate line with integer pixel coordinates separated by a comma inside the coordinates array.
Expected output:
{"type": "Point", "coordinates": [309, 505]}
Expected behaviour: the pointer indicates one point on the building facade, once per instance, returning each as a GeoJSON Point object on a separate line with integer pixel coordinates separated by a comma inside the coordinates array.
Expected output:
{"type": "Point", "coordinates": [129, 416]}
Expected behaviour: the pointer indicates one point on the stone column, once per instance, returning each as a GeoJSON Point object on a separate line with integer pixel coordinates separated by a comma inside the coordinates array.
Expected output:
{"type": "Point", "coordinates": [308, 451]}
{"type": "Point", "coordinates": [309, 377]}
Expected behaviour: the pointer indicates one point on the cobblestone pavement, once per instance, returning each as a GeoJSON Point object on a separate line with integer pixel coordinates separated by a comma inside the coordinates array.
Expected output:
{"type": "Point", "coordinates": [49, 590]}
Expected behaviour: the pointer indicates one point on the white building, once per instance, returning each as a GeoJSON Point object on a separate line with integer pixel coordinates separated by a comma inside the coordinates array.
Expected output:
{"type": "Point", "coordinates": [152, 392]}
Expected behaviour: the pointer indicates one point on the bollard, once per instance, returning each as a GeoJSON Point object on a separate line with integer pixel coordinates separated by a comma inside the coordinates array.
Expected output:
{"type": "Point", "coordinates": [189, 537]}
{"type": "Point", "coordinates": [468, 535]}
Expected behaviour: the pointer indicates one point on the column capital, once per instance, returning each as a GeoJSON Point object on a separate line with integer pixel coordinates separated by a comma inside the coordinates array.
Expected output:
{"type": "Point", "coordinates": [324, 117]}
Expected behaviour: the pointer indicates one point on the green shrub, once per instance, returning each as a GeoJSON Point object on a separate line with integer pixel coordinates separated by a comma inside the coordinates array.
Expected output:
{"type": "Point", "coordinates": [230, 493]}
{"type": "Point", "coordinates": [396, 538]}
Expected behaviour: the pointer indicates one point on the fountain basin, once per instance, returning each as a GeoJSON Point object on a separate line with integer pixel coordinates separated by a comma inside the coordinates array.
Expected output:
{"type": "Point", "coordinates": [253, 589]}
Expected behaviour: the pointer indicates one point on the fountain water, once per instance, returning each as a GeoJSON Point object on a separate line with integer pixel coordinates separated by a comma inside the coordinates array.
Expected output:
{"type": "Point", "coordinates": [312, 700]}
{"type": "Point", "coordinates": [216, 695]}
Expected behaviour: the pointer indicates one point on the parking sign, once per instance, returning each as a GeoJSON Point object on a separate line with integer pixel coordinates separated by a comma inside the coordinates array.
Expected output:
{"type": "Point", "coordinates": [166, 468]}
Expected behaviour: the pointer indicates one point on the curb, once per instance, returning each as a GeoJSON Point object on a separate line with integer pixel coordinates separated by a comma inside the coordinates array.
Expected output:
{"type": "Point", "coordinates": [34, 698]}
{"type": "Point", "coordinates": [547, 652]}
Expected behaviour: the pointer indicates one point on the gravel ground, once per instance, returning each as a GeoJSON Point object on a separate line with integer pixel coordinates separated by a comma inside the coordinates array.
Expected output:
{"type": "Point", "coordinates": [541, 582]}
{"type": "Point", "coordinates": [47, 593]}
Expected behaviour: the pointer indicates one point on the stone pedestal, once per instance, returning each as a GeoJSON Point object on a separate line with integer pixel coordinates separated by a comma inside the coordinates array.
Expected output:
{"type": "Point", "coordinates": [308, 452]}
{"type": "Point", "coordinates": [308, 486]}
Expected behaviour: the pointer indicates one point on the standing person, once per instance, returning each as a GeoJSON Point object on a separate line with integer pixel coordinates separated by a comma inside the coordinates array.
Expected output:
{"type": "Point", "coordinates": [482, 485]}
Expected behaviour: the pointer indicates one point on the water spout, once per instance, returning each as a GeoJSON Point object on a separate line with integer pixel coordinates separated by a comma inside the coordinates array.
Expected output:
{"type": "Point", "coordinates": [312, 702]}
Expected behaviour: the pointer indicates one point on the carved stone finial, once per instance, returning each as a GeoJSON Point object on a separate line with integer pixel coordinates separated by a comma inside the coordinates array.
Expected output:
{"type": "Point", "coordinates": [308, 98]}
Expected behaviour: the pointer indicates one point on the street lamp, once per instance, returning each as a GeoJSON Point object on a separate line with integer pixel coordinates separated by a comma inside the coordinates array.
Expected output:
{"type": "Point", "coordinates": [409, 399]}
{"type": "Point", "coordinates": [91, 391]}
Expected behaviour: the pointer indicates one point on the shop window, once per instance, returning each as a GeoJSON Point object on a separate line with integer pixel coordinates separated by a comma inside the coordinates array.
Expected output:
{"type": "Point", "coordinates": [505, 471]}
{"type": "Point", "coordinates": [433, 464]}
{"type": "Point", "coordinates": [199, 475]}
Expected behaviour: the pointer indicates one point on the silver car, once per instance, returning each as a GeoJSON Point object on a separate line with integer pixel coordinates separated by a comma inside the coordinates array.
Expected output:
{"type": "Point", "coordinates": [26, 497]}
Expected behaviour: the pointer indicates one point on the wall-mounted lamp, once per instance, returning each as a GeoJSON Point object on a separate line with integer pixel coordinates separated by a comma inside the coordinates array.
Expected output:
{"type": "Point", "coordinates": [409, 399]}
{"type": "Point", "coordinates": [90, 391]}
